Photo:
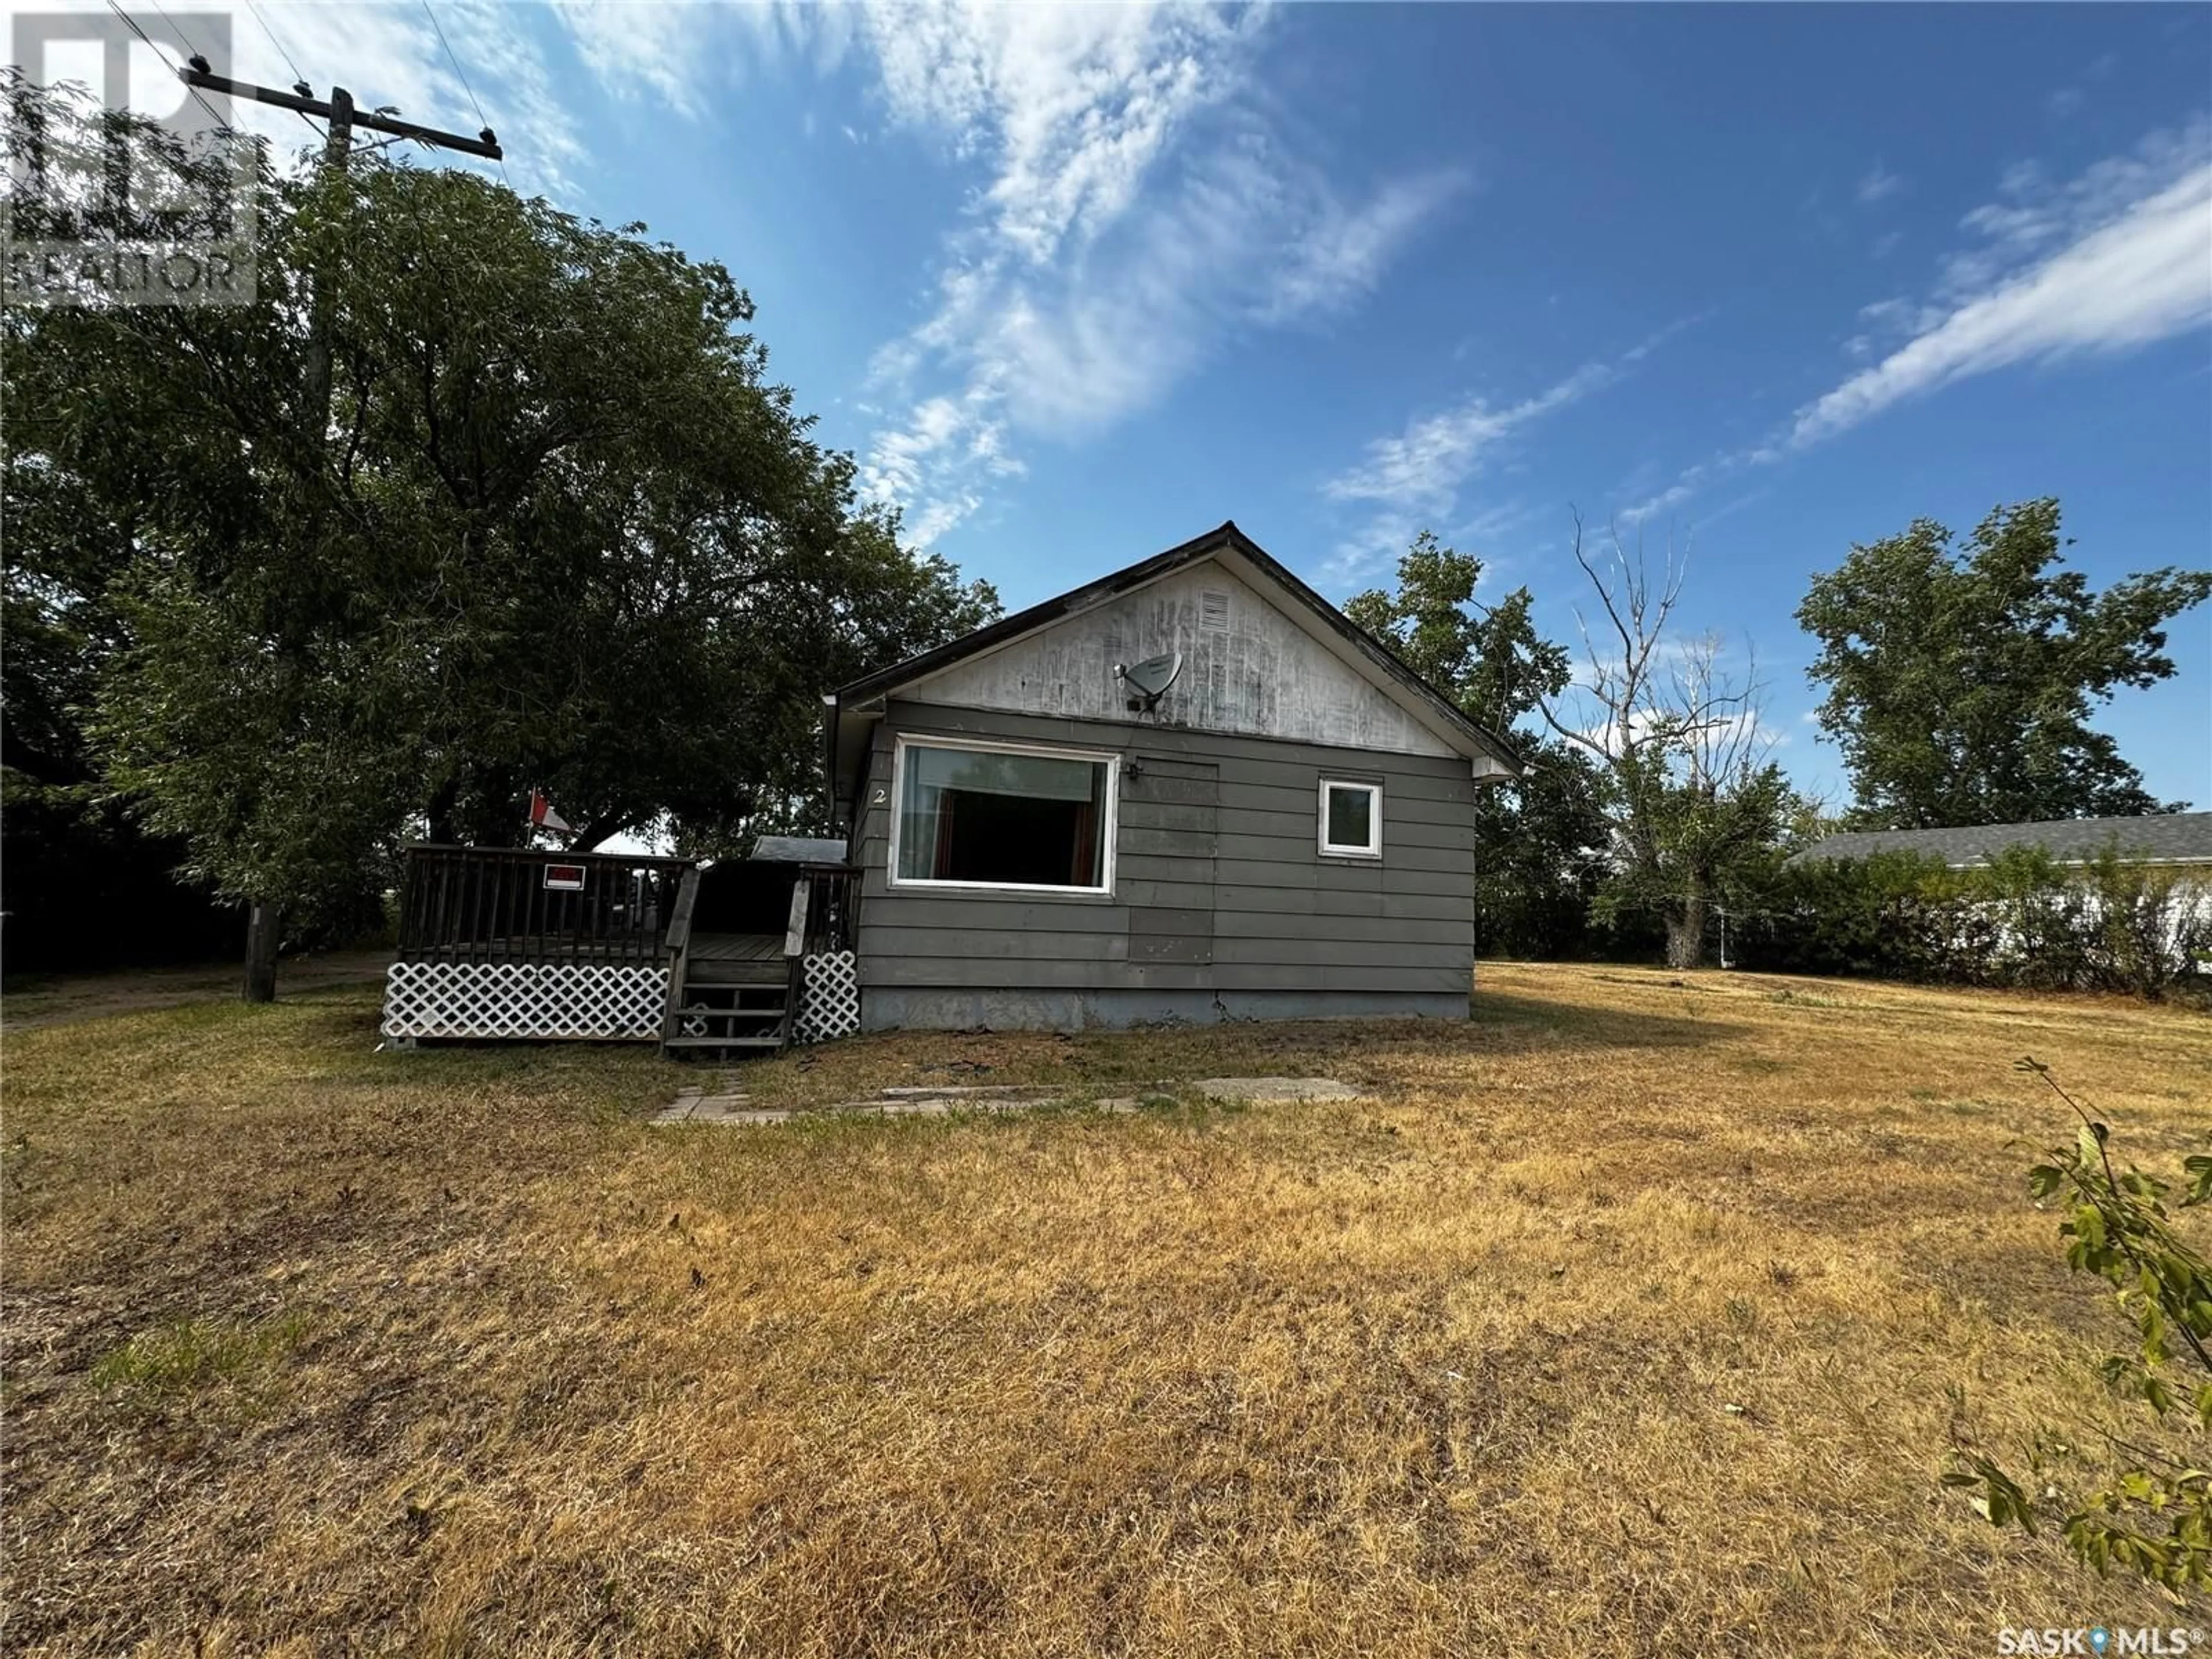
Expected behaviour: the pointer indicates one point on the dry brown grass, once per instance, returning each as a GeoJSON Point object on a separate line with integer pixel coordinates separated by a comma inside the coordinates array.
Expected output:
{"type": "Point", "coordinates": [314, 1349]}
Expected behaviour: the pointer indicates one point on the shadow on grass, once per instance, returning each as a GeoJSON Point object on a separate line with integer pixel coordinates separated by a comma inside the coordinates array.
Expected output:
{"type": "Point", "coordinates": [1357, 1051]}
{"type": "Point", "coordinates": [1508, 1022]}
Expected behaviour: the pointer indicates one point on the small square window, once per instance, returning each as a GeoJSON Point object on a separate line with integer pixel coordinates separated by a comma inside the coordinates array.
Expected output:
{"type": "Point", "coordinates": [1351, 819]}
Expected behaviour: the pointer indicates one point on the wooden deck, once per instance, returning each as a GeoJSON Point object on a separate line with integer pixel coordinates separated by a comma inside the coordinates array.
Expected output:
{"type": "Point", "coordinates": [470, 915]}
{"type": "Point", "coordinates": [736, 959]}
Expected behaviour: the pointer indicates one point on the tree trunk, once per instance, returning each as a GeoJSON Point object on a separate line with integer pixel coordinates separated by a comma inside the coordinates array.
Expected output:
{"type": "Point", "coordinates": [1685, 930]}
{"type": "Point", "coordinates": [261, 929]}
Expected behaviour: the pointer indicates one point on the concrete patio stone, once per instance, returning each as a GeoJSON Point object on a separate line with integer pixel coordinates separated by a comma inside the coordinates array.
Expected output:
{"type": "Point", "coordinates": [731, 1105]}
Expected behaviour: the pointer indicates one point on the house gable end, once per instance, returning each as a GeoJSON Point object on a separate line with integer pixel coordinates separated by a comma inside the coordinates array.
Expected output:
{"type": "Point", "coordinates": [1251, 667]}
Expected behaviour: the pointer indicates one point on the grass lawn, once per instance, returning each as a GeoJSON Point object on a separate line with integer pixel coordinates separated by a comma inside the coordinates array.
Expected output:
{"type": "Point", "coordinates": [1638, 1316]}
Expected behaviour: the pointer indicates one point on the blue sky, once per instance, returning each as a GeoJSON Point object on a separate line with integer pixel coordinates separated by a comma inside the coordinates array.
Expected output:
{"type": "Point", "coordinates": [1075, 284]}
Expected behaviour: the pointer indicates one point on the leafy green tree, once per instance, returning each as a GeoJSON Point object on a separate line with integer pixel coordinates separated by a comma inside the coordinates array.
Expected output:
{"type": "Point", "coordinates": [1691, 797]}
{"type": "Point", "coordinates": [1959, 684]}
{"type": "Point", "coordinates": [2152, 1513]}
{"type": "Point", "coordinates": [85, 886]}
{"type": "Point", "coordinates": [1540, 843]}
{"type": "Point", "coordinates": [555, 528]}
{"type": "Point", "coordinates": [1488, 660]}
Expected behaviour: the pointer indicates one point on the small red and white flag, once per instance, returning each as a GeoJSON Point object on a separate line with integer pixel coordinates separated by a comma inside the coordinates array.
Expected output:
{"type": "Point", "coordinates": [543, 817]}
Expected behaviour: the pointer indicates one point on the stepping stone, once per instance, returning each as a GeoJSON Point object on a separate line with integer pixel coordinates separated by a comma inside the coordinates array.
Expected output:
{"type": "Point", "coordinates": [731, 1106]}
{"type": "Point", "coordinates": [959, 1091]}
{"type": "Point", "coordinates": [1278, 1088]}
{"type": "Point", "coordinates": [692, 1106]}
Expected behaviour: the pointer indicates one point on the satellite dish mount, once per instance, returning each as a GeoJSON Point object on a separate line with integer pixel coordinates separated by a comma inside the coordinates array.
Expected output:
{"type": "Point", "coordinates": [1147, 682]}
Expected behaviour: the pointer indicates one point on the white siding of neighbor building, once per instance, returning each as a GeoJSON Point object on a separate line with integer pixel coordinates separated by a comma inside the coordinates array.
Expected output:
{"type": "Point", "coordinates": [1249, 669]}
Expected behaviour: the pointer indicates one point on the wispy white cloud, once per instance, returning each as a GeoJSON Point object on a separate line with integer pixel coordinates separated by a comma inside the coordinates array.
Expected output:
{"type": "Point", "coordinates": [1673, 496]}
{"type": "Point", "coordinates": [1729, 508]}
{"type": "Point", "coordinates": [1412, 479]}
{"type": "Point", "coordinates": [1878, 183]}
{"type": "Point", "coordinates": [1337, 259]}
{"type": "Point", "coordinates": [1138, 207]}
{"type": "Point", "coordinates": [2141, 271]}
{"type": "Point", "coordinates": [1070, 107]}
{"type": "Point", "coordinates": [648, 52]}
{"type": "Point", "coordinates": [2115, 257]}
{"type": "Point", "coordinates": [1104, 249]}
{"type": "Point", "coordinates": [1421, 469]}
{"type": "Point", "coordinates": [1687, 486]}
{"type": "Point", "coordinates": [2032, 216]}
{"type": "Point", "coordinates": [2067, 100]}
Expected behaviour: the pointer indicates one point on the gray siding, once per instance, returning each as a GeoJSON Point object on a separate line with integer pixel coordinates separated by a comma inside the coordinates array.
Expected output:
{"type": "Point", "coordinates": [1222, 906]}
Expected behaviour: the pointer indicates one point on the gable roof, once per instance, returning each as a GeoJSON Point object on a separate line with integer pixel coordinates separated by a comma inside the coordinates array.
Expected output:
{"type": "Point", "coordinates": [2160, 838]}
{"type": "Point", "coordinates": [1361, 651]}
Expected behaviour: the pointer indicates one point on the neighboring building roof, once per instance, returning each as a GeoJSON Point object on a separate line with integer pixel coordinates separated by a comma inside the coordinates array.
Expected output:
{"type": "Point", "coordinates": [2159, 838]}
{"type": "Point", "coordinates": [852, 706]}
{"type": "Point", "coordinates": [798, 849]}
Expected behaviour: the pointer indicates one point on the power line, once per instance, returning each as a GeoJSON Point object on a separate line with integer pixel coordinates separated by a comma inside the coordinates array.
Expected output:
{"type": "Point", "coordinates": [298, 79]}
{"type": "Point", "coordinates": [132, 23]}
{"type": "Point", "coordinates": [463, 74]}
{"type": "Point", "coordinates": [276, 43]}
{"type": "Point", "coordinates": [456, 62]}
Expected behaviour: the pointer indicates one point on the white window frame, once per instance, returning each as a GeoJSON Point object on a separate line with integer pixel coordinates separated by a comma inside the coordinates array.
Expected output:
{"type": "Point", "coordinates": [1330, 849]}
{"type": "Point", "coordinates": [1109, 830]}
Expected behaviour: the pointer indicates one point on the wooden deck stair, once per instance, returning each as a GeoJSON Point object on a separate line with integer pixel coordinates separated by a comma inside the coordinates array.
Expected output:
{"type": "Point", "coordinates": [726, 991]}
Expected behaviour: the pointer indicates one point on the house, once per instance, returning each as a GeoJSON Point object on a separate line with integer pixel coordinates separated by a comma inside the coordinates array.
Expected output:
{"type": "Point", "coordinates": [2182, 839]}
{"type": "Point", "coordinates": [1190, 790]}
{"type": "Point", "coordinates": [1286, 831]}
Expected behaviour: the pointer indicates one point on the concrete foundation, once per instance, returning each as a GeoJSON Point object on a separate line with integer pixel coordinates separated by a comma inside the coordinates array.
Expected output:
{"type": "Point", "coordinates": [894, 1008]}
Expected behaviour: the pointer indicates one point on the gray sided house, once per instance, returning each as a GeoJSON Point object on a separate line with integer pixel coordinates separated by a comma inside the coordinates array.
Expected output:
{"type": "Point", "coordinates": [1192, 790]}
{"type": "Point", "coordinates": [1285, 830]}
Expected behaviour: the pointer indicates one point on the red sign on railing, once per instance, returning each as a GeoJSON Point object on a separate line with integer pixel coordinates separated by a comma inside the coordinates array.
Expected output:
{"type": "Point", "coordinates": [565, 878]}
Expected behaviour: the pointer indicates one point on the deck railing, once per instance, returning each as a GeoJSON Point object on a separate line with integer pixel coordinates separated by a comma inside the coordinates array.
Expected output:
{"type": "Point", "coordinates": [519, 904]}
{"type": "Point", "coordinates": [824, 904]}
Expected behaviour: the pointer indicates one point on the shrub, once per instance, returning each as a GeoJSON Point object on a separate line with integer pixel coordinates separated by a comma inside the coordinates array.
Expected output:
{"type": "Point", "coordinates": [2022, 920]}
{"type": "Point", "coordinates": [2152, 1513]}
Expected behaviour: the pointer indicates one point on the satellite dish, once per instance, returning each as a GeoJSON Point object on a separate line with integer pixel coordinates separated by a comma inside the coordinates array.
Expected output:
{"type": "Point", "coordinates": [1148, 681]}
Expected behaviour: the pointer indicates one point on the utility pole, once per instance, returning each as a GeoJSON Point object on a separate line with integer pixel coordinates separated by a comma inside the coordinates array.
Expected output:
{"type": "Point", "coordinates": [264, 921]}
{"type": "Point", "coordinates": [342, 115]}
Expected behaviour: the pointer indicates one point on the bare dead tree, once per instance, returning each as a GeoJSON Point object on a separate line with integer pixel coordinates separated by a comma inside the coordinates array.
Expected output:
{"type": "Point", "coordinates": [1680, 739]}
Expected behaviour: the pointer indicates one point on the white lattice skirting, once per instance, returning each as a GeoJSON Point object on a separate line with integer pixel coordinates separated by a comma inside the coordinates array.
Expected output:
{"type": "Point", "coordinates": [523, 999]}
{"type": "Point", "coordinates": [828, 997]}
